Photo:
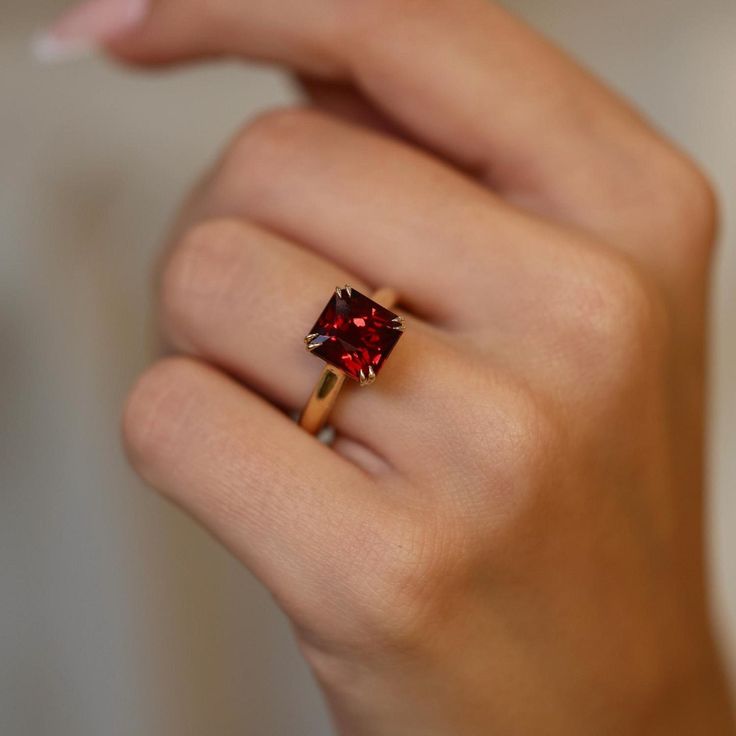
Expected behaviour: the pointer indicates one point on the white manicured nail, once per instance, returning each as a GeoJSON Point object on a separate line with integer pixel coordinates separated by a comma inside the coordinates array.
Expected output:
{"type": "Point", "coordinates": [86, 27]}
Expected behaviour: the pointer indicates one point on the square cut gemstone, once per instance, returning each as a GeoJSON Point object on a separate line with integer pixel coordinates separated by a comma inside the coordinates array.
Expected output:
{"type": "Point", "coordinates": [355, 334]}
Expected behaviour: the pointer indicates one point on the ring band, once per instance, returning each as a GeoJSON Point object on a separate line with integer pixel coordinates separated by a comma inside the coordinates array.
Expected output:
{"type": "Point", "coordinates": [354, 335]}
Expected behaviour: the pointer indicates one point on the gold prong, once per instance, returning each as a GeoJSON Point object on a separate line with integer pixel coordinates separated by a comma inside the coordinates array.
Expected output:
{"type": "Point", "coordinates": [338, 291]}
{"type": "Point", "coordinates": [398, 318]}
{"type": "Point", "coordinates": [311, 337]}
{"type": "Point", "coordinates": [398, 327]}
{"type": "Point", "coordinates": [312, 345]}
{"type": "Point", "coordinates": [349, 290]}
{"type": "Point", "coordinates": [367, 380]}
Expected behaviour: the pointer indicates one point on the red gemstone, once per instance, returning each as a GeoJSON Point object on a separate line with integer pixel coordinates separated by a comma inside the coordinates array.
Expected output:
{"type": "Point", "coordinates": [355, 333]}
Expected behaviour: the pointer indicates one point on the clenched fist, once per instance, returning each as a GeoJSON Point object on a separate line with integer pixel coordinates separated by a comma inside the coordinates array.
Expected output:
{"type": "Point", "coordinates": [506, 535]}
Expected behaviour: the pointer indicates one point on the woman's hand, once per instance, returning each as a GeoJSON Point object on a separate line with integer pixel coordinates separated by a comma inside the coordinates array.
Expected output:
{"type": "Point", "coordinates": [506, 537]}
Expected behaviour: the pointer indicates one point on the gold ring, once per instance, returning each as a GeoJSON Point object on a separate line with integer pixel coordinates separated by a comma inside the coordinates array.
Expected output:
{"type": "Point", "coordinates": [354, 335]}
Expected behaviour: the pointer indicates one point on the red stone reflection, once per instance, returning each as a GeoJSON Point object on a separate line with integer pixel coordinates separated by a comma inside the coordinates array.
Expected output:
{"type": "Point", "coordinates": [355, 333]}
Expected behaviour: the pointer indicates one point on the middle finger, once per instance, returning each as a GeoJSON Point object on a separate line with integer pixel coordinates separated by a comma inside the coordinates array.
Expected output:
{"type": "Point", "coordinates": [387, 212]}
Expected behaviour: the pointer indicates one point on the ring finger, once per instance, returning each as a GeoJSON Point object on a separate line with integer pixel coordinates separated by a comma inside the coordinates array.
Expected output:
{"type": "Point", "coordinates": [243, 298]}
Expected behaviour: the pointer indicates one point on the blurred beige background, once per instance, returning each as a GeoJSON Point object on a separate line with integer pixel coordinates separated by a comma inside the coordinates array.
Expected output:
{"type": "Point", "coordinates": [117, 615]}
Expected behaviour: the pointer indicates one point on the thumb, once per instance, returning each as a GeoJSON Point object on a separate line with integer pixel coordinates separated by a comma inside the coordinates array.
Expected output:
{"type": "Point", "coordinates": [152, 32]}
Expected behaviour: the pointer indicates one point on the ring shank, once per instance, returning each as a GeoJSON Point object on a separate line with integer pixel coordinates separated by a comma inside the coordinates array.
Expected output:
{"type": "Point", "coordinates": [319, 405]}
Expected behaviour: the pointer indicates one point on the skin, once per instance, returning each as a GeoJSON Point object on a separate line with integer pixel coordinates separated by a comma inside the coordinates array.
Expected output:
{"type": "Point", "coordinates": [506, 537]}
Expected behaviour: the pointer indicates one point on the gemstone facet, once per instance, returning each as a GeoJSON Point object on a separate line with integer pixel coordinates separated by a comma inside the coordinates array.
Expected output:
{"type": "Point", "coordinates": [355, 334]}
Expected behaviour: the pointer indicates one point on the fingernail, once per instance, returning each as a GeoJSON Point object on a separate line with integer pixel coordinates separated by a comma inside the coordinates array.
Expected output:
{"type": "Point", "coordinates": [86, 27]}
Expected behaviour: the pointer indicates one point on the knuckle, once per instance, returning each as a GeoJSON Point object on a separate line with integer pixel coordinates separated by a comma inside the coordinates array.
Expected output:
{"type": "Point", "coordinates": [526, 432]}
{"type": "Point", "coordinates": [618, 321]}
{"type": "Point", "coordinates": [533, 432]}
{"type": "Point", "coordinates": [154, 412]}
{"type": "Point", "coordinates": [202, 268]}
{"type": "Point", "coordinates": [268, 138]}
{"type": "Point", "coordinates": [618, 307]}
{"type": "Point", "coordinates": [512, 428]}
{"type": "Point", "coordinates": [500, 425]}
{"type": "Point", "coordinates": [262, 156]}
{"type": "Point", "coordinates": [403, 595]}
{"type": "Point", "coordinates": [688, 204]}
{"type": "Point", "coordinates": [698, 206]}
